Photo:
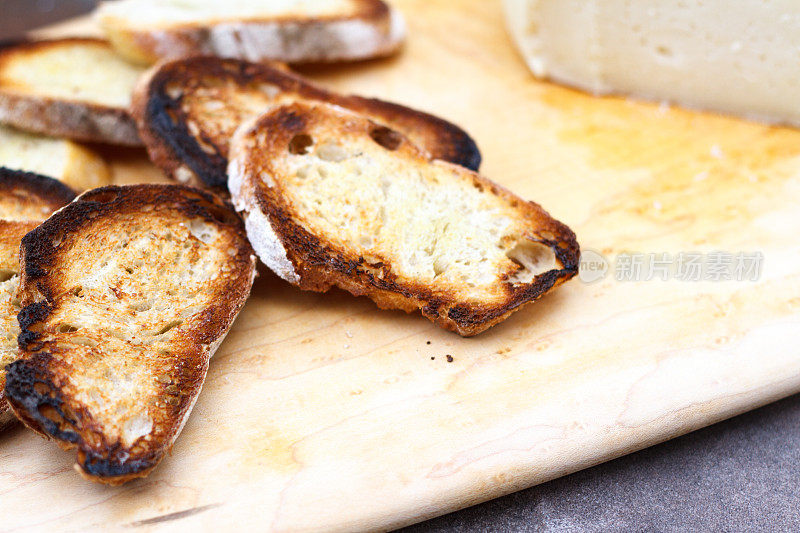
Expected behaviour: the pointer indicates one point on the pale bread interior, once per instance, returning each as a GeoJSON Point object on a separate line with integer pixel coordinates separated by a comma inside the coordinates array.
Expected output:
{"type": "Point", "coordinates": [121, 304]}
{"type": "Point", "coordinates": [83, 71]}
{"type": "Point", "coordinates": [67, 161]}
{"type": "Point", "coordinates": [125, 301]}
{"type": "Point", "coordinates": [218, 119]}
{"type": "Point", "coordinates": [9, 307]}
{"type": "Point", "coordinates": [430, 221]}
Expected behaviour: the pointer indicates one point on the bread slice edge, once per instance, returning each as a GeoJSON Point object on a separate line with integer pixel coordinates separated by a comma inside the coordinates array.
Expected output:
{"type": "Point", "coordinates": [175, 148]}
{"type": "Point", "coordinates": [379, 31]}
{"type": "Point", "coordinates": [61, 117]}
{"type": "Point", "coordinates": [269, 229]}
{"type": "Point", "coordinates": [26, 401]}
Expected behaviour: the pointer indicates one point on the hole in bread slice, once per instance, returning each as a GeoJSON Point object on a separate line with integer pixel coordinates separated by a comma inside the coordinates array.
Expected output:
{"type": "Point", "coordinates": [6, 274]}
{"type": "Point", "coordinates": [102, 196]}
{"type": "Point", "coordinates": [386, 137]}
{"type": "Point", "coordinates": [300, 144]}
{"type": "Point", "coordinates": [533, 258]}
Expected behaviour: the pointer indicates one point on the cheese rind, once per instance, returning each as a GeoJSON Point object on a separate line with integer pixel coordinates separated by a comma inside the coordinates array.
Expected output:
{"type": "Point", "coordinates": [738, 58]}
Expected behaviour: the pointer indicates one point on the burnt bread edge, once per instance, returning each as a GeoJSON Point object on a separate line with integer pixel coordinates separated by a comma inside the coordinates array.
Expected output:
{"type": "Point", "coordinates": [30, 372]}
{"type": "Point", "coordinates": [163, 126]}
{"type": "Point", "coordinates": [320, 265]}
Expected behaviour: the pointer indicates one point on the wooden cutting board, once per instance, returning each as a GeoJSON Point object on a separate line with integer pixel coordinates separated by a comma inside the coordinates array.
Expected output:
{"type": "Point", "coordinates": [321, 412]}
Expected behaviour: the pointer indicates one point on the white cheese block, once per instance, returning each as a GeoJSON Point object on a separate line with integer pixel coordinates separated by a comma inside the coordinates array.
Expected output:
{"type": "Point", "coordinates": [740, 57]}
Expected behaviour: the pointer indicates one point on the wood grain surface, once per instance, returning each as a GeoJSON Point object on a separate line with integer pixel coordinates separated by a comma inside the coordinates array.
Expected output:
{"type": "Point", "coordinates": [323, 413]}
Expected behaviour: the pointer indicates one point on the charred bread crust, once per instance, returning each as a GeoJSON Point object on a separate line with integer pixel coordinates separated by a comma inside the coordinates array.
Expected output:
{"type": "Point", "coordinates": [39, 252]}
{"type": "Point", "coordinates": [16, 186]}
{"type": "Point", "coordinates": [56, 117]}
{"type": "Point", "coordinates": [164, 125]}
{"type": "Point", "coordinates": [47, 191]}
{"type": "Point", "coordinates": [185, 39]}
{"type": "Point", "coordinates": [35, 382]}
{"type": "Point", "coordinates": [33, 390]}
{"type": "Point", "coordinates": [320, 264]}
{"type": "Point", "coordinates": [30, 375]}
{"type": "Point", "coordinates": [11, 234]}
{"type": "Point", "coordinates": [442, 139]}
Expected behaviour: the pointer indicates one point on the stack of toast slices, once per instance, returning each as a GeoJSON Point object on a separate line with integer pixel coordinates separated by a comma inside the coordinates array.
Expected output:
{"type": "Point", "coordinates": [55, 97]}
{"type": "Point", "coordinates": [112, 303]}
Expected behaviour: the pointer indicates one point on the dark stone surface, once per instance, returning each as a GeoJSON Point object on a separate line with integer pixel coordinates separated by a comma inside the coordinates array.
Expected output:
{"type": "Point", "coordinates": [19, 16]}
{"type": "Point", "coordinates": [739, 475]}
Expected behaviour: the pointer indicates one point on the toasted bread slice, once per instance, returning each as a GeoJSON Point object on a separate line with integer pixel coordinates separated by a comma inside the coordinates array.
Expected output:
{"type": "Point", "coordinates": [29, 197]}
{"type": "Point", "coordinates": [11, 234]}
{"type": "Point", "coordinates": [71, 163]}
{"type": "Point", "coordinates": [331, 198]}
{"type": "Point", "coordinates": [126, 294]}
{"type": "Point", "coordinates": [188, 110]}
{"type": "Point", "coordinates": [293, 31]}
{"type": "Point", "coordinates": [25, 200]}
{"type": "Point", "coordinates": [77, 88]}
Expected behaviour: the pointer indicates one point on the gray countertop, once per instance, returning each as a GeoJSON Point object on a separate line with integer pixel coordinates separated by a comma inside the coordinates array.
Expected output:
{"type": "Point", "coordinates": [19, 16]}
{"type": "Point", "coordinates": [739, 475]}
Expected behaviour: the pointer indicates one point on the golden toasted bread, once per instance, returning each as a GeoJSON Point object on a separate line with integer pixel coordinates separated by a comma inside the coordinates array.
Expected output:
{"type": "Point", "coordinates": [25, 200]}
{"type": "Point", "coordinates": [126, 294]}
{"type": "Point", "coordinates": [11, 234]}
{"type": "Point", "coordinates": [332, 198]}
{"type": "Point", "coordinates": [294, 31]}
{"type": "Point", "coordinates": [25, 196]}
{"type": "Point", "coordinates": [77, 88]}
{"type": "Point", "coordinates": [69, 162]}
{"type": "Point", "coordinates": [188, 110]}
